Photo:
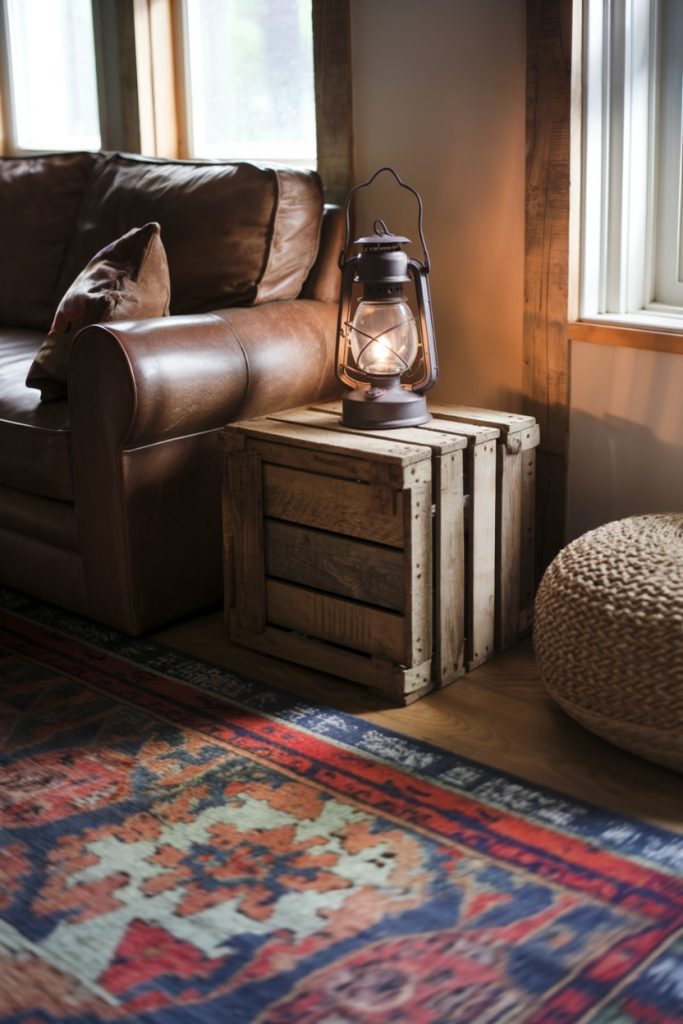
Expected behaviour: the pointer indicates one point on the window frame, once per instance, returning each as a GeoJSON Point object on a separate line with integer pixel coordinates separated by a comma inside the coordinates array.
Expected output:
{"type": "Point", "coordinates": [668, 255]}
{"type": "Point", "coordinates": [617, 229]}
{"type": "Point", "coordinates": [140, 87]}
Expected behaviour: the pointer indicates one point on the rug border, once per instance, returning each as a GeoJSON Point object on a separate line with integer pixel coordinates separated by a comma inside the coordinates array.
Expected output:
{"type": "Point", "coordinates": [649, 844]}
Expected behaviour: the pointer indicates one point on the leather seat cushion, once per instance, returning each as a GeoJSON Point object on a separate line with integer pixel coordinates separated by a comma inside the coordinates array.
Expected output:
{"type": "Point", "coordinates": [234, 233]}
{"type": "Point", "coordinates": [35, 440]}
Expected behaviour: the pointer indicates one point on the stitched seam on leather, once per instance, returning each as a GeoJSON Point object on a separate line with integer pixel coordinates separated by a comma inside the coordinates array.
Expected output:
{"type": "Point", "coordinates": [171, 440]}
{"type": "Point", "coordinates": [316, 251]}
{"type": "Point", "coordinates": [247, 367]}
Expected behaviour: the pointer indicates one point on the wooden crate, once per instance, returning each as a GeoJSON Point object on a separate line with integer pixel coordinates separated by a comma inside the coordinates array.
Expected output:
{"type": "Point", "coordinates": [515, 494]}
{"type": "Point", "coordinates": [343, 548]}
{"type": "Point", "coordinates": [328, 552]}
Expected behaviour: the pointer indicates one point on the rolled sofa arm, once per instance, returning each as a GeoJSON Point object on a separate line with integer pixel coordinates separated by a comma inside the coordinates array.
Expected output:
{"type": "Point", "coordinates": [157, 379]}
{"type": "Point", "coordinates": [146, 400]}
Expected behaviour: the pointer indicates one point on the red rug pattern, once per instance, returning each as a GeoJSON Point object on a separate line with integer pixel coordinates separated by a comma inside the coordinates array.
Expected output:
{"type": "Point", "coordinates": [179, 845]}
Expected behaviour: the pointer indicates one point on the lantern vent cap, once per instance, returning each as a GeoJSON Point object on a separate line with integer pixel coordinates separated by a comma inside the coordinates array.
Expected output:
{"type": "Point", "coordinates": [382, 238]}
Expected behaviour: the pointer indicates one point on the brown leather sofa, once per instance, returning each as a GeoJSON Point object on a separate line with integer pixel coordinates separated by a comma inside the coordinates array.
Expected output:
{"type": "Point", "coordinates": [110, 499]}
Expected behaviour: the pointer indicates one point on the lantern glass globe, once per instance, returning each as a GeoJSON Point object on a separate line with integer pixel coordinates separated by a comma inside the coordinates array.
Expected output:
{"type": "Point", "coordinates": [384, 338]}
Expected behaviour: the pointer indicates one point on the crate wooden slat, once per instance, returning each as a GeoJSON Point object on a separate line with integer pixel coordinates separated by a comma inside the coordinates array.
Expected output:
{"type": "Point", "coordinates": [247, 579]}
{"type": "Point", "coordinates": [329, 561]}
{"type": "Point", "coordinates": [417, 573]}
{"type": "Point", "coordinates": [480, 565]}
{"type": "Point", "coordinates": [342, 531]}
{"type": "Point", "coordinates": [402, 685]}
{"type": "Point", "coordinates": [283, 427]}
{"type": "Point", "coordinates": [515, 488]}
{"type": "Point", "coordinates": [478, 445]}
{"type": "Point", "coordinates": [449, 573]}
{"type": "Point", "coordinates": [340, 621]}
{"type": "Point", "coordinates": [370, 512]}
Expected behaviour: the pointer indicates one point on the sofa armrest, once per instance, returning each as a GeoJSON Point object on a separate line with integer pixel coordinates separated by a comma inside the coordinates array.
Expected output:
{"type": "Point", "coordinates": [146, 400]}
{"type": "Point", "coordinates": [151, 380]}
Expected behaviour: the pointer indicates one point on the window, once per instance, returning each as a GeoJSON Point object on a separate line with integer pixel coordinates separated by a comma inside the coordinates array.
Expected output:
{"type": "Point", "coordinates": [249, 87]}
{"type": "Point", "coordinates": [632, 239]}
{"type": "Point", "coordinates": [51, 80]}
{"type": "Point", "coordinates": [232, 79]}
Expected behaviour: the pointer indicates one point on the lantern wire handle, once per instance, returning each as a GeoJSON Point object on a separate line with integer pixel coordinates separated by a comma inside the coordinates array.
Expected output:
{"type": "Point", "coordinates": [364, 184]}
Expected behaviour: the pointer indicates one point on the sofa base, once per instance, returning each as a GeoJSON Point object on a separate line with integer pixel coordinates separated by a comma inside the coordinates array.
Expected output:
{"type": "Point", "coordinates": [43, 570]}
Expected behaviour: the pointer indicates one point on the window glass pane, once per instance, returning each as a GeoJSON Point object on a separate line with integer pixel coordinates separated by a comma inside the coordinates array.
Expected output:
{"type": "Point", "coordinates": [250, 79]}
{"type": "Point", "coordinates": [669, 225]}
{"type": "Point", "coordinates": [52, 74]}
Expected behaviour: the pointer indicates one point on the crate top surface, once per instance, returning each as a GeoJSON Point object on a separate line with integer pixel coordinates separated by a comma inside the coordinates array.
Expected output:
{"type": "Point", "coordinates": [507, 422]}
{"type": "Point", "coordinates": [441, 434]}
{"type": "Point", "coordinates": [440, 438]}
{"type": "Point", "coordinates": [311, 435]}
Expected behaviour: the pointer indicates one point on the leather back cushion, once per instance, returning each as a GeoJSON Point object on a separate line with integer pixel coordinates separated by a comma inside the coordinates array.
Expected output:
{"type": "Point", "coordinates": [234, 233]}
{"type": "Point", "coordinates": [39, 201]}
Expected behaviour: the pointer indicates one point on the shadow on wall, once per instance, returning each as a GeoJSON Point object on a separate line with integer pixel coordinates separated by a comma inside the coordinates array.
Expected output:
{"type": "Point", "coordinates": [618, 468]}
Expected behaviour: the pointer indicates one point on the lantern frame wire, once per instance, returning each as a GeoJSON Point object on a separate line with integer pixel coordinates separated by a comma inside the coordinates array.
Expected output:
{"type": "Point", "coordinates": [364, 184]}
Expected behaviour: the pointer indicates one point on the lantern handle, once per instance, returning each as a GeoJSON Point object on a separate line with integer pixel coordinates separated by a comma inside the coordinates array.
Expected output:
{"type": "Point", "coordinates": [364, 184]}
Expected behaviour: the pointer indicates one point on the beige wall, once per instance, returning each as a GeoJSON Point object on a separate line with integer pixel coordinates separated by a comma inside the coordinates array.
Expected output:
{"type": "Point", "coordinates": [438, 93]}
{"type": "Point", "coordinates": [438, 90]}
{"type": "Point", "coordinates": [626, 431]}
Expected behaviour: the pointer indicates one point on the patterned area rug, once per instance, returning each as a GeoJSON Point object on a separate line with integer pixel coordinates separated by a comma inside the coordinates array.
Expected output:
{"type": "Point", "coordinates": [178, 844]}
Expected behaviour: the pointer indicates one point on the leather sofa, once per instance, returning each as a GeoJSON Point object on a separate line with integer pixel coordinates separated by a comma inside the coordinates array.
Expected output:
{"type": "Point", "coordinates": [110, 498]}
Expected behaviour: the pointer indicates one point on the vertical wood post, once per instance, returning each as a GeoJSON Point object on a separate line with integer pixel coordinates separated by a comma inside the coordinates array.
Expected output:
{"type": "Point", "coordinates": [4, 87]}
{"type": "Point", "coordinates": [449, 569]}
{"type": "Point", "coordinates": [117, 79]}
{"type": "Point", "coordinates": [245, 488]}
{"type": "Point", "coordinates": [333, 115]}
{"type": "Point", "coordinates": [546, 346]}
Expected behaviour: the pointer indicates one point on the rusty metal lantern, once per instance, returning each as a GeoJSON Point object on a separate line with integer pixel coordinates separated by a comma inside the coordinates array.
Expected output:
{"type": "Point", "coordinates": [386, 352]}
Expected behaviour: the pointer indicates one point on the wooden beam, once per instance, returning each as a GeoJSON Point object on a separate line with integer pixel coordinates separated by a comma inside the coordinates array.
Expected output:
{"type": "Point", "coordinates": [117, 82]}
{"type": "Point", "coordinates": [5, 118]}
{"type": "Point", "coordinates": [546, 347]}
{"type": "Point", "coordinates": [333, 111]}
{"type": "Point", "coordinates": [158, 49]}
{"type": "Point", "coordinates": [625, 336]}
{"type": "Point", "coordinates": [4, 146]}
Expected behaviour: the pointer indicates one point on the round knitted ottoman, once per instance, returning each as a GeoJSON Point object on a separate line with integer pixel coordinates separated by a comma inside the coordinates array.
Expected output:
{"type": "Point", "coordinates": [608, 634]}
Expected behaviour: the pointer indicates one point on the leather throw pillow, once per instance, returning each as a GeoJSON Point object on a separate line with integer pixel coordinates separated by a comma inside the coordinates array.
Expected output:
{"type": "Point", "coordinates": [127, 280]}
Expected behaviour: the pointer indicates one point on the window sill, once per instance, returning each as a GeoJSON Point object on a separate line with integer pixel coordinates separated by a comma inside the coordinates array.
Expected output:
{"type": "Point", "coordinates": [623, 332]}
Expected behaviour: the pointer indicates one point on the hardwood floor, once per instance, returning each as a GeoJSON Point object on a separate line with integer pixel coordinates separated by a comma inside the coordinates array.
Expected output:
{"type": "Point", "coordinates": [499, 715]}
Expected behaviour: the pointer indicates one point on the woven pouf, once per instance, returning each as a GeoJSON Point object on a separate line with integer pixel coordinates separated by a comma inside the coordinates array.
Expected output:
{"type": "Point", "coordinates": [608, 634]}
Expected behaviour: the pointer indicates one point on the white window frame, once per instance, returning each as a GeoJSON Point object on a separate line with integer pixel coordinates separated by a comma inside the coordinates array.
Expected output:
{"type": "Point", "coordinates": [620, 174]}
{"type": "Point", "coordinates": [668, 257]}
